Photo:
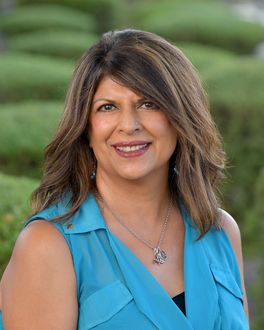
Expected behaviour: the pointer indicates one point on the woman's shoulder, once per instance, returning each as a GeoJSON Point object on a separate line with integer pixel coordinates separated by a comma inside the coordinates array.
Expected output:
{"type": "Point", "coordinates": [40, 243]}
{"type": "Point", "coordinates": [223, 243]}
{"type": "Point", "coordinates": [40, 269]}
{"type": "Point", "coordinates": [40, 235]}
{"type": "Point", "coordinates": [227, 229]}
{"type": "Point", "coordinates": [231, 229]}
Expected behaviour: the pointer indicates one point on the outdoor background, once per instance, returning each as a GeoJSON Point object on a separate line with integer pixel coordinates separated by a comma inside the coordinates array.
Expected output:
{"type": "Point", "coordinates": [40, 41]}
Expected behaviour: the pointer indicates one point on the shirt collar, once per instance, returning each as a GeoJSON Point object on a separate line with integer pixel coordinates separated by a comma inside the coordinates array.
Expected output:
{"type": "Point", "coordinates": [86, 219]}
{"type": "Point", "coordinates": [89, 217]}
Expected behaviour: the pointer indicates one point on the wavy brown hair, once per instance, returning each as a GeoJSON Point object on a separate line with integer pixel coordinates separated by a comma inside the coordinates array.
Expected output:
{"type": "Point", "coordinates": [151, 66]}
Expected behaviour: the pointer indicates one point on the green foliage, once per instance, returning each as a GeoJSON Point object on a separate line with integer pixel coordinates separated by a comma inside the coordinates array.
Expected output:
{"type": "Point", "coordinates": [235, 88]}
{"type": "Point", "coordinates": [238, 84]}
{"type": "Point", "coordinates": [211, 23]}
{"type": "Point", "coordinates": [25, 76]}
{"type": "Point", "coordinates": [39, 17]}
{"type": "Point", "coordinates": [253, 232]}
{"type": "Point", "coordinates": [237, 100]}
{"type": "Point", "coordinates": [232, 82]}
{"type": "Point", "coordinates": [254, 227]}
{"type": "Point", "coordinates": [258, 295]}
{"type": "Point", "coordinates": [61, 43]}
{"type": "Point", "coordinates": [107, 13]}
{"type": "Point", "coordinates": [14, 208]}
{"type": "Point", "coordinates": [27, 129]}
{"type": "Point", "coordinates": [205, 58]}
{"type": "Point", "coordinates": [243, 138]}
{"type": "Point", "coordinates": [208, 32]}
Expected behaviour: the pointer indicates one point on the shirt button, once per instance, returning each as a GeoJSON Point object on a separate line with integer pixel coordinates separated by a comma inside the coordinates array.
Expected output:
{"type": "Point", "coordinates": [70, 226]}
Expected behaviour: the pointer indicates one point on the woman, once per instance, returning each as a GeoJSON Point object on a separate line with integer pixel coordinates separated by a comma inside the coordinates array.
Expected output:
{"type": "Point", "coordinates": [135, 237]}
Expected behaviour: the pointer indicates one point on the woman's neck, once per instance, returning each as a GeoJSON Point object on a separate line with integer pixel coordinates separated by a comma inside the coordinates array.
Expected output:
{"type": "Point", "coordinates": [134, 200]}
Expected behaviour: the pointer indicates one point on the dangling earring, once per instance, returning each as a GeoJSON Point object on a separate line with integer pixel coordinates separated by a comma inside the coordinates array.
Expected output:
{"type": "Point", "coordinates": [175, 170]}
{"type": "Point", "coordinates": [93, 174]}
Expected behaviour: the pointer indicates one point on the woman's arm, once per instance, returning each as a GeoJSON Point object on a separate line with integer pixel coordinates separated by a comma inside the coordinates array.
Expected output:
{"type": "Point", "coordinates": [231, 228]}
{"type": "Point", "coordinates": [38, 288]}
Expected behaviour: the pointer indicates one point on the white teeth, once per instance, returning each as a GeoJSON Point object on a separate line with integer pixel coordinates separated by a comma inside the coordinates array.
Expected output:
{"type": "Point", "coordinates": [131, 148]}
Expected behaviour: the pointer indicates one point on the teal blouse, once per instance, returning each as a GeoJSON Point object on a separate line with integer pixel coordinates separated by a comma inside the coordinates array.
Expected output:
{"type": "Point", "coordinates": [116, 291]}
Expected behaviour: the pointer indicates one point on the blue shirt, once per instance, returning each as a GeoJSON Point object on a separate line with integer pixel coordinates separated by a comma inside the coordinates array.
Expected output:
{"type": "Point", "coordinates": [116, 291]}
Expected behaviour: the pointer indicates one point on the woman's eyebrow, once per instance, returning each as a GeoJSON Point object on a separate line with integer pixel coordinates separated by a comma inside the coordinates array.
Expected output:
{"type": "Point", "coordinates": [142, 99]}
{"type": "Point", "coordinates": [104, 99]}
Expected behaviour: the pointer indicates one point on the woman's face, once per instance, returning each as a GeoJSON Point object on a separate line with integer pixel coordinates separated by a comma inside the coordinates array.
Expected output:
{"type": "Point", "coordinates": [130, 136]}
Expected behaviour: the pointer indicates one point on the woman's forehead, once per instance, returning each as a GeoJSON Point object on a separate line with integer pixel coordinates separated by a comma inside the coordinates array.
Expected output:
{"type": "Point", "coordinates": [109, 85]}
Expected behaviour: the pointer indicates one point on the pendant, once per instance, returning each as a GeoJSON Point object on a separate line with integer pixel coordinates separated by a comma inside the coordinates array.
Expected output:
{"type": "Point", "coordinates": [160, 255]}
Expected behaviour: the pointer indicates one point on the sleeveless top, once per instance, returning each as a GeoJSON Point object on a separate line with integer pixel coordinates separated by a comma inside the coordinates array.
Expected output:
{"type": "Point", "coordinates": [116, 291]}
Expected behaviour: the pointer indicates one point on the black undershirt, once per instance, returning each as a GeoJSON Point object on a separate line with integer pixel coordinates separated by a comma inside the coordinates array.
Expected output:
{"type": "Point", "coordinates": [180, 302]}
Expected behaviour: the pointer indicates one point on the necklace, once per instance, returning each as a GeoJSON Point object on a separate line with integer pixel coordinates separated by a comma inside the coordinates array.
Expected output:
{"type": "Point", "coordinates": [160, 255]}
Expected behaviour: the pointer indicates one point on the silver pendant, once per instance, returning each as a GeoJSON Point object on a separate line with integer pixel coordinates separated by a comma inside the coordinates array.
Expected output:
{"type": "Point", "coordinates": [160, 255]}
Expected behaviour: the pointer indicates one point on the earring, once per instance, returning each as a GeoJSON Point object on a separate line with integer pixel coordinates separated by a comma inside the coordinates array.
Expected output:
{"type": "Point", "coordinates": [93, 174]}
{"type": "Point", "coordinates": [175, 170]}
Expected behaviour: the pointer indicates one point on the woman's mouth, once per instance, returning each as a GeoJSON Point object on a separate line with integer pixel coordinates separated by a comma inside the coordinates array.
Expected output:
{"type": "Point", "coordinates": [132, 149]}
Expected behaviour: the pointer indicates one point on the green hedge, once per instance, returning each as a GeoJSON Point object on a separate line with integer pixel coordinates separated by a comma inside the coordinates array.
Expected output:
{"type": "Point", "coordinates": [237, 101]}
{"type": "Point", "coordinates": [14, 208]}
{"type": "Point", "coordinates": [243, 136]}
{"type": "Point", "coordinates": [39, 17]}
{"type": "Point", "coordinates": [254, 228]}
{"type": "Point", "coordinates": [253, 232]}
{"type": "Point", "coordinates": [206, 57]}
{"type": "Point", "coordinates": [231, 81]}
{"type": "Point", "coordinates": [107, 13]}
{"type": "Point", "coordinates": [68, 44]}
{"type": "Point", "coordinates": [207, 23]}
{"type": "Point", "coordinates": [235, 88]}
{"type": "Point", "coordinates": [25, 76]}
{"type": "Point", "coordinates": [27, 129]}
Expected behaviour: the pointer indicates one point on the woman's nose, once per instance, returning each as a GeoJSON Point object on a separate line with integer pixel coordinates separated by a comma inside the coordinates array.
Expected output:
{"type": "Point", "coordinates": [129, 121]}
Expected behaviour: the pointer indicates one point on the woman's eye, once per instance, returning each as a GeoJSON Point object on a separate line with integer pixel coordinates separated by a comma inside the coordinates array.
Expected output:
{"type": "Point", "coordinates": [106, 107]}
{"type": "Point", "coordinates": [149, 105]}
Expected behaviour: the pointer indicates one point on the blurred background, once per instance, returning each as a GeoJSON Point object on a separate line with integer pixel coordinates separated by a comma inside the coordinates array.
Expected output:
{"type": "Point", "coordinates": [40, 41]}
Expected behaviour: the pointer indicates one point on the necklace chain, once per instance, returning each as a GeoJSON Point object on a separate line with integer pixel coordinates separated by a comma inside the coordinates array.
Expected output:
{"type": "Point", "coordinates": [160, 255]}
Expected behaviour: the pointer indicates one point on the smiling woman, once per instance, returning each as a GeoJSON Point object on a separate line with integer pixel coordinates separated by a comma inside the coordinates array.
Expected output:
{"type": "Point", "coordinates": [131, 137]}
{"type": "Point", "coordinates": [126, 221]}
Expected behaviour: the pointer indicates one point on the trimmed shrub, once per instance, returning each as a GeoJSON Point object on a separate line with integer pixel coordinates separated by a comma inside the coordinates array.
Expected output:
{"type": "Point", "coordinates": [25, 76]}
{"type": "Point", "coordinates": [206, 57]}
{"type": "Point", "coordinates": [244, 140]}
{"type": "Point", "coordinates": [254, 227]}
{"type": "Point", "coordinates": [237, 104]}
{"type": "Point", "coordinates": [39, 17]}
{"type": "Point", "coordinates": [253, 233]}
{"type": "Point", "coordinates": [234, 85]}
{"type": "Point", "coordinates": [238, 83]}
{"type": "Point", "coordinates": [107, 13]}
{"type": "Point", "coordinates": [211, 23]}
{"type": "Point", "coordinates": [231, 81]}
{"type": "Point", "coordinates": [68, 44]}
{"type": "Point", "coordinates": [27, 129]}
{"type": "Point", "coordinates": [237, 100]}
{"type": "Point", "coordinates": [14, 208]}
